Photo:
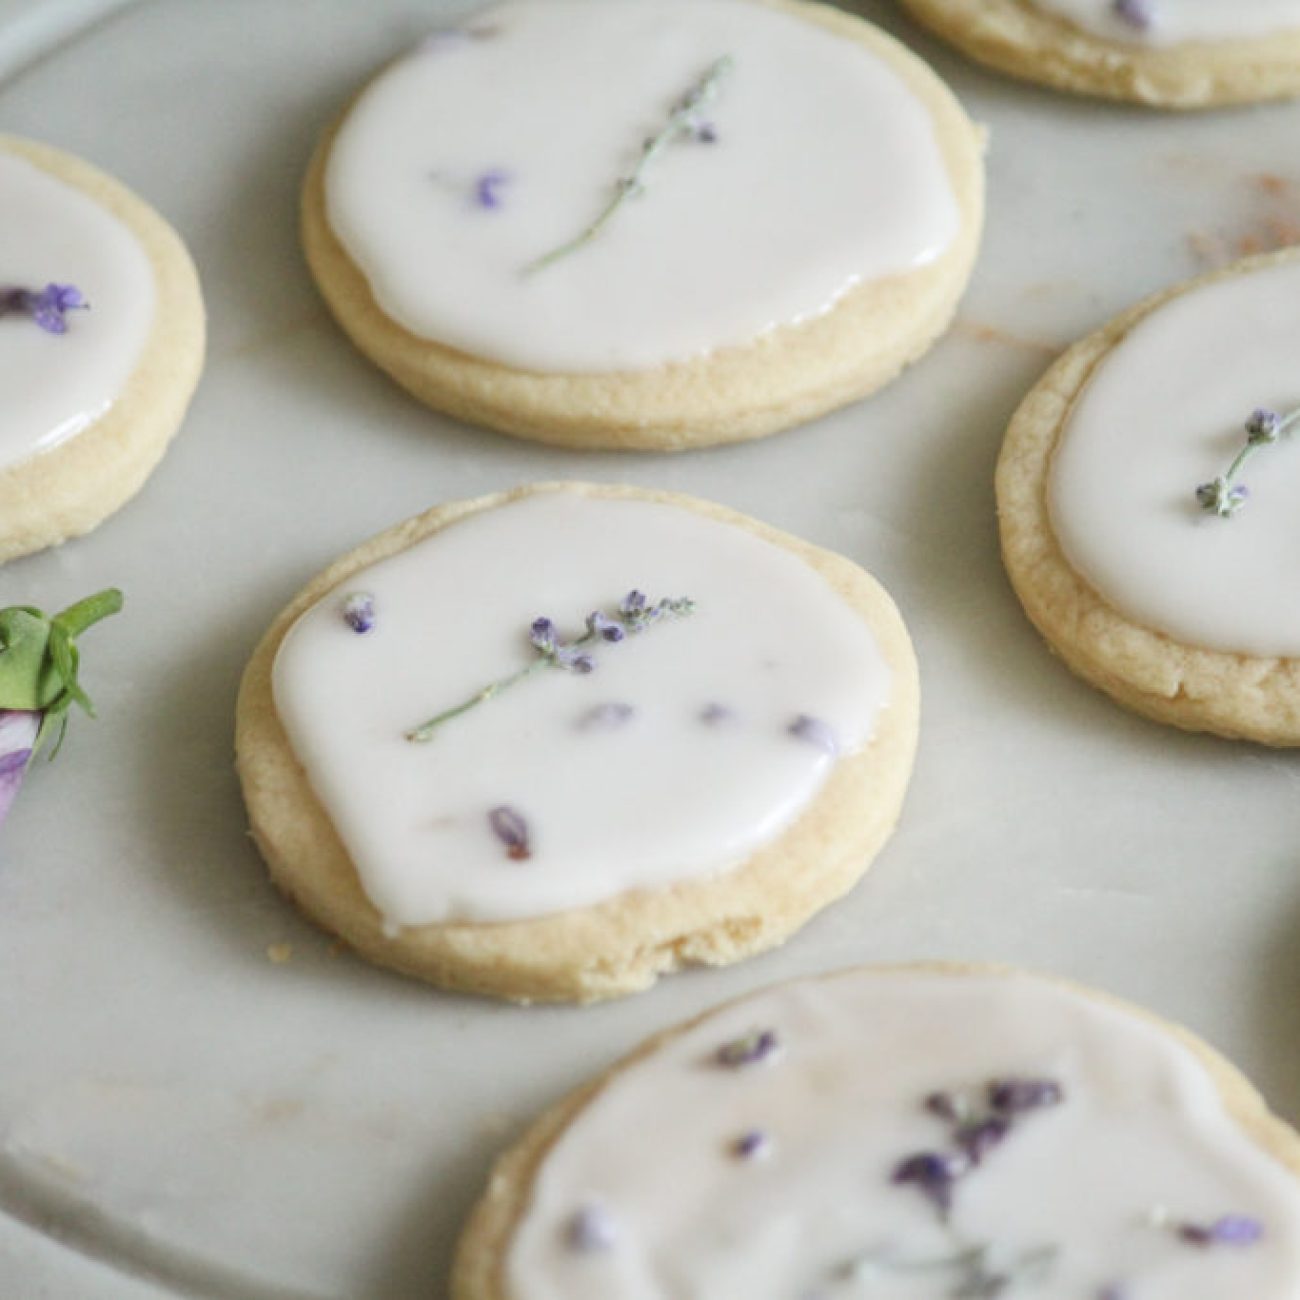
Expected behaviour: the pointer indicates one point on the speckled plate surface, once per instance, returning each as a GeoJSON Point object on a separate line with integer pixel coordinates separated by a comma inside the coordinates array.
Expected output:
{"type": "Point", "coordinates": [198, 1094]}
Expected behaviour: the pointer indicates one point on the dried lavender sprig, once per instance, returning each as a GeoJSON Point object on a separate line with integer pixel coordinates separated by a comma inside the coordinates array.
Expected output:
{"type": "Point", "coordinates": [684, 121]}
{"type": "Point", "coordinates": [634, 615]}
{"type": "Point", "coordinates": [1224, 496]}
{"type": "Point", "coordinates": [47, 307]}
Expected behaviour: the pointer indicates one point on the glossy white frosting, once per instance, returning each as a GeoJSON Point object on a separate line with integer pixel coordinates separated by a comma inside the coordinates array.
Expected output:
{"type": "Point", "coordinates": [1162, 413]}
{"type": "Point", "coordinates": [664, 797]}
{"type": "Point", "coordinates": [1141, 1126]}
{"type": "Point", "coordinates": [1179, 22]}
{"type": "Point", "coordinates": [825, 172]}
{"type": "Point", "coordinates": [55, 386]}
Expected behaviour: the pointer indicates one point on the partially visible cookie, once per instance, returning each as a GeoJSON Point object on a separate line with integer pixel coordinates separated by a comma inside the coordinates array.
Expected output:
{"type": "Point", "coordinates": [101, 344]}
{"type": "Point", "coordinates": [1162, 53]}
{"type": "Point", "coordinates": [687, 222]}
{"type": "Point", "coordinates": [915, 1132]}
{"type": "Point", "coordinates": [551, 744]}
{"type": "Point", "coordinates": [1158, 570]}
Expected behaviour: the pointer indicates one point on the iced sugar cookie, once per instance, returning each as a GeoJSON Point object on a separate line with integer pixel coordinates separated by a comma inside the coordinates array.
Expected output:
{"type": "Point", "coordinates": [1157, 560]}
{"type": "Point", "coordinates": [659, 225]}
{"type": "Point", "coordinates": [553, 743]}
{"type": "Point", "coordinates": [1164, 53]}
{"type": "Point", "coordinates": [911, 1133]}
{"type": "Point", "coordinates": [101, 344]}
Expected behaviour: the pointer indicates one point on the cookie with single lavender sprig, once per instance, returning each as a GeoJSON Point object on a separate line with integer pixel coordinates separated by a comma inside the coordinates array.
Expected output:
{"type": "Point", "coordinates": [636, 246]}
{"type": "Point", "coordinates": [551, 744]}
{"type": "Point", "coordinates": [916, 1132]}
{"type": "Point", "coordinates": [101, 344]}
{"type": "Point", "coordinates": [1178, 54]}
{"type": "Point", "coordinates": [1147, 494]}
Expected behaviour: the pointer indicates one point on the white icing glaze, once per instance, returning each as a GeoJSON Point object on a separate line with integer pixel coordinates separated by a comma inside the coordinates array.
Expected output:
{"type": "Point", "coordinates": [1141, 1126]}
{"type": "Point", "coordinates": [1162, 413]}
{"type": "Point", "coordinates": [664, 797]}
{"type": "Point", "coordinates": [826, 172]}
{"type": "Point", "coordinates": [55, 386]}
{"type": "Point", "coordinates": [1178, 22]}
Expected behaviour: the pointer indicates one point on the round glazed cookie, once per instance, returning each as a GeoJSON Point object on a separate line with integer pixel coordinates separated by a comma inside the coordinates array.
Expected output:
{"type": "Point", "coordinates": [480, 753]}
{"type": "Point", "coordinates": [101, 344]}
{"type": "Point", "coordinates": [910, 1132]}
{"type": "Point", "coordinates": [1153, 572]}
{"type": "Point", "coordinates": [602, 225]}
{"type": "Point", "coordinates": [1163, 53]}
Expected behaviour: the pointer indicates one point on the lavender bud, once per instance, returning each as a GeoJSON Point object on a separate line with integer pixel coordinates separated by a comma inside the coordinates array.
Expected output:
{"type": "Point", "coordinates": [1139, 14]}
{"type": "Point", "coordinates": [488, 186]}
{"type": "Point", "coordinates": [603, 626]}
{"type": "Point", "coordinates": [753, 1145]}
{"type": "Point", "coordinates": [1113, 1291]}
{"type": "Point", "coordinates": [933, 1173]}
{"type": "Point", "coordinates": [1015, 1096]}
{"type": "Point", "coordinates": [609, 716]}
{"type": "Point", "coordinates": [573, 660]}
{"type": "Point", "coordinates": [1230, 1230]}
{"type": "Point", "coordinates": [815, 732]}
{"type": "Point", "coordinates": [756, 1046]}
{"type": "Point", "coordinates": [592, 1229]}
{"type": "Point", "coordinates": [542, 635]}
{"type": "Point", "coordinates": [945, 1106]}
{"type": "Point", "coordinates": [359, 611]}
{"type": "Point", "coordinates": [632, 603]}
{"type": "Point", "coordinates": [715, 715]}
{"type": "Point", "coordinates": [1263, 426]}
{"type": "Point", "coordinates": [509, 826]}
{"type": "Point", "coordinates": [977, 1139]}
{"type": "Point", "coordinates": [706, 133]}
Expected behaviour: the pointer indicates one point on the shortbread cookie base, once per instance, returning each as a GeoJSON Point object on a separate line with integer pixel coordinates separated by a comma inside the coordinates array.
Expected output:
{"type": "Point", "coordinates": [1239, 696]}
{"type": "Point", "coordinates": [1016, 38]}
{"type": "Point", "coordinates": [623, 945]}
{"type": "Point", "coordinates": [784, 378]}
{"type": "Point", "coordinates": [68, 490]}
{"type": "Point", "coordinates": [479, 1271]}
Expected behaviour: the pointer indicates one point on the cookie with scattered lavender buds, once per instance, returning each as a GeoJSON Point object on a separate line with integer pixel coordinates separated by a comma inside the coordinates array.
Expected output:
{"type": "Point", "coordinates": [618, 251]}
{"type": "Point", "coordinates": [101, 344]}
{"type": "Point", "coordinates": [1160, 53]}
{"type": "Point", "coordinates": [926, 1131]}
{"type": "Point", "coordinates": [552, 744]}
{"type": "Point", "coordinates": [1147, 495]}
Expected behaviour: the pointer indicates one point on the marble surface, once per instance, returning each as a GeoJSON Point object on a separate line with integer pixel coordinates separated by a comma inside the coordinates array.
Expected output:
{"type": "Point", "coordinates": [199, 1095]}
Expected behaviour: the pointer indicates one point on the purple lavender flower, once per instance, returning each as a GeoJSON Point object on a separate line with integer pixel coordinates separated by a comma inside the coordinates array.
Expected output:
{"type": "Point", "coordinates": [1221, 497]}
{"type": "Point", "coordinates": [573, 660]}
{"type": "Point", "coordinates": [632, 604]}
{"type": "Point", "coordinates": [48, 307]}
{"type": "Point", "coordinates": [716, 715]}
{"type": "Point", "coordinates": [945, 1106]}
{"type": "Point", "coordinates": [18, 730]}
{"type": "Point", "coordinates": [1113, 1291]}
{"type": "Point", "coordinates": [488, 187]}
{"type": "Point", "coordinates": [706, 133]}
{"type": "Point", "coordinates": [606, 628]}
{"type": "Point", "coordinates": [591, 1229]}
{"type": "Point", "coordinates": [1230, 1230]}
{"type": "Point", "coordinates": [979, 1137]}
{"type": "Point", "coordinates": [815, 732]}
{"type": "Point", "coordinates": [509, 826]}
{"type": "Point", "coordinates": [1263, 426]}
{"type": "Point", "coordinates": [752, 1145]}
{"type": "Point", "coordinates": [609, 716]}
{"type": "Point", "coordinates": [1016, 1096]}
{"type": "Point", "coordinates": [751, 1049]}
{"type": "Point", "coordinates": [934, 1174]}
{"type": "Point", "coordinates": [542, 635]}
{"type": "Point", "coordinates": [359, 611]}
{"type": "Point", "coordinates": [1139, 14]}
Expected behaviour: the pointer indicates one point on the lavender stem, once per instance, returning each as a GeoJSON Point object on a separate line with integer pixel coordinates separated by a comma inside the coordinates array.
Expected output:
{"type": "Point", "coordinates": [683, 120]}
